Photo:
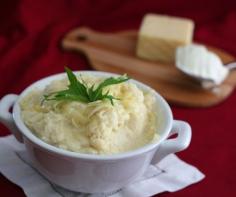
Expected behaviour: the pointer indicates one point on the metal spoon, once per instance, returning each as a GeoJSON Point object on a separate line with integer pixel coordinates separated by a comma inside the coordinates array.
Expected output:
{"type": "Point", "coordinates": [207, 82]}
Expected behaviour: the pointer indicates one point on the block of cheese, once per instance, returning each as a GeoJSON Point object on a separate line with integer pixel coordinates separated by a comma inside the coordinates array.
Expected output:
{"type": "Point", "coordinates": [160, 35]}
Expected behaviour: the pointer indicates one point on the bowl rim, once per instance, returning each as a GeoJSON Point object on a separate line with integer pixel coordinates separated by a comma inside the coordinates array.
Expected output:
{"type": "Point", "coordinates": [25, 131]}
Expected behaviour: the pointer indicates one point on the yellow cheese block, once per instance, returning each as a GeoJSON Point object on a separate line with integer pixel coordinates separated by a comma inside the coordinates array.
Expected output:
{"type": "Point", "coordinates": [160, 35]}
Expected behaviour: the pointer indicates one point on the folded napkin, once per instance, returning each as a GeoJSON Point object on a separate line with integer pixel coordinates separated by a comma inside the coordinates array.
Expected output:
{"type": "Point", "coordinates": [171, 174]}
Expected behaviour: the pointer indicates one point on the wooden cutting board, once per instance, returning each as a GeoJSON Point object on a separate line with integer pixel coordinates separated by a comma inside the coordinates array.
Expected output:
{"type": "Point", "coordinates": [115, 52]}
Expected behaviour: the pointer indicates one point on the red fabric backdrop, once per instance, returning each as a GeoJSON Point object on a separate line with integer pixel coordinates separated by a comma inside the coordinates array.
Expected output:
{"type": "Point", "coordinates": [30, 32]}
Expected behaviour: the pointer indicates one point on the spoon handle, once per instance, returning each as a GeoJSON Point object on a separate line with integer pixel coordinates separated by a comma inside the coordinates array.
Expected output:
{"type": "Point", "coordinates": [231, 65]}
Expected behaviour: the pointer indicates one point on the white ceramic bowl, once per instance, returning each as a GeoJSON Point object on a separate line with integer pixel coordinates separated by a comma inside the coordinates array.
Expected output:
{"type": "Point", "coordinates": [94, 173]}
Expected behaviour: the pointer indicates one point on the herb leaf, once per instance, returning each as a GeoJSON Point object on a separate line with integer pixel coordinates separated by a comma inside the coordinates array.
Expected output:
{"type": "Point", "coordinates": [79, 91]}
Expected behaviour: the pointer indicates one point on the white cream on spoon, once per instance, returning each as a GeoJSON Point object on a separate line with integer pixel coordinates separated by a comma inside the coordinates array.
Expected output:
{"type": "Point", "coordinates": [205, 66]}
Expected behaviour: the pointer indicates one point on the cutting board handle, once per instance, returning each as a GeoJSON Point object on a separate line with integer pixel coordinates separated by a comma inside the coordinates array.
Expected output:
{"type": "Point", "coordinates": [75, 39]}
{"type": "Point", "coordinates": [83, 38]}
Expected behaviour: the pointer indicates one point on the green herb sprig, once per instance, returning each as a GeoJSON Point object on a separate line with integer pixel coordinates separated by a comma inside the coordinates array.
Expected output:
{"type": "Point", "coordinates": [79, 90]}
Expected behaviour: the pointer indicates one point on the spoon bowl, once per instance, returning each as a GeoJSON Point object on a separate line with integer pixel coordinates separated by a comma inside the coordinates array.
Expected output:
{"type": "Point", "coordinates": [207, 82]}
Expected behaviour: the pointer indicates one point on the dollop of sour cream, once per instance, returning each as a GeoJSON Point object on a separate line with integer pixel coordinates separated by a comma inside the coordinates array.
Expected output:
{"type": "Point", "coordinates": [196, 60]}
{"type": "Point", "coordinates": [97, 127]}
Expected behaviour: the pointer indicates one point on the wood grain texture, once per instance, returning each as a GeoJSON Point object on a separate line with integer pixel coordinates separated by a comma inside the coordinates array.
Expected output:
{"type": "Point", "coordinates": [115, 52]}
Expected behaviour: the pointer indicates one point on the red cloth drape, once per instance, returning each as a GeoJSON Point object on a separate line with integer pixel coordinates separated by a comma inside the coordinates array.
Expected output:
{"type": "Point", "coordinates": [30, 33]}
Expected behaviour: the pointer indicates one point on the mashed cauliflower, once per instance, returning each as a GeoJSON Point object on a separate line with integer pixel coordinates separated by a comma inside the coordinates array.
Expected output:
{"type": "Point", "coordinates": [97, 127]}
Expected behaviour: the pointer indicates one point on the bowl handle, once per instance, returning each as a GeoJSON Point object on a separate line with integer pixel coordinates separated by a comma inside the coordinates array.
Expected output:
{"type": "Point", "coordinates": [6, 117]}
{"type": "Point", "coordinates": [181, 142]}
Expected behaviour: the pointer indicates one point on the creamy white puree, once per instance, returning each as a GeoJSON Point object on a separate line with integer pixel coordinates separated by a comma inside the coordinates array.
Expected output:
{"type": "Point", "coordinates": [97, 127]}
{"type": "Point", "coordinates": [195, 59]}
